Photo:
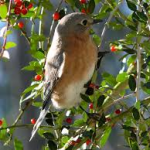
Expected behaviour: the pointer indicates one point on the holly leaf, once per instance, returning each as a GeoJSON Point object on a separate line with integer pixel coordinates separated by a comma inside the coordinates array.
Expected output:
{"type": "Point", "coordinates": [3, 11]}
{"type": "Point", "coordinates": [132, 82]}
{"type": "Point", "coordinates": [18, 144]}
{"type": "Point", "coordinates": [122, 77]}
{"type": "Point", "coordinates": [105, 137]}
{"type": "Point", "coordinates": [10, 45]}
{"type": "Point", "coordinates": [131, 5]}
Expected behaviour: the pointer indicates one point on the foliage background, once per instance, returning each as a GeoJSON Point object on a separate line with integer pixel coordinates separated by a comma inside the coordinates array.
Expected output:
{"type": "Point", "coordinates": [13, 81]}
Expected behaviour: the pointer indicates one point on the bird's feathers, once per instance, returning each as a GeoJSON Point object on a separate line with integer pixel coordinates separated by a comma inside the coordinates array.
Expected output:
{"type": "Point", "coordinates": [53, 69]}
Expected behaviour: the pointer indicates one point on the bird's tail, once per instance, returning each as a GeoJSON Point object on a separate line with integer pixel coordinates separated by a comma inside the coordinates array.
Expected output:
{"type": "Point", "coordinates": [39, 121]}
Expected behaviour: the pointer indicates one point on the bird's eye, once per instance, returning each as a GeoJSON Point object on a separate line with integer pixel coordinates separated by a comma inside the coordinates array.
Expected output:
{"type": "Point", "coordinates": [84, 22]}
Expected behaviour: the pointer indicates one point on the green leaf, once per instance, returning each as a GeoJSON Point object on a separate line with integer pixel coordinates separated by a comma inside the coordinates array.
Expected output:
{"type": "Point", "coordinates": [122, 77]}
{"type": "Point", "coordinates": [97, 1]}
{"type": "Point", "coordinates": [78, 4]}
{"type": "Point", "coordinates": [96, 39]}
{"type": "Point", "coordinates": [146, 87]}
{"type": "Point", "coordinates": [136, 114]}
{"type": "Point", "coordinates": [38, 55]}
{"type": "Point", "coordinates": [28, 68]}
{"type": "Point", "coordinates": [48, 136]}
{"type": "Point", "coordinates": [18, 144]}
{"type": "Point", "coordinates": [29, 89]}
{"type": "Point", "coordinates": [137, 105]}
{"type": "Point", "coordinates": [85, 98]}
{"type": "Point", "coordinates": [91, 6]}
{"type": "Point", "coordinates": [100, 100]}
{"type": "Point", "coordinates": [128, 128]}
{"type": "Point", "coordinates": [46, 4]}
{"type": "Point", "coordinates": [131, 5]}
{"type": "Point", "coordinates": [71, 2]}
{"type": "Point", "coordinates": [105, 137]}
{"type": "Point", "coordinates": [102, 120]}
{"type": "Point", "coordinates": [131, 59]}
{"type": "Point", "coordinates": [132, 82]}
{"type": "Point", "coordinates": [37, 104]}
{"type": "Point", "coordinates": [3, 133]}
{"type": "Point", "coordinates": [64, 139]}
{"type": "Point", "coordinates": [52, 145]}
{"type": "Point", "coordinates": [10, 45]}
{"type": "Point", "coordinates": [3, 11]}
{"type": "Point", "coordinates": [129, 51]}
{"type": "Point", "coordinates": [142, 16]}
{"type": "Point", "coordinates": [78, 123]}
{"type": "Point", "coordinates": [110, 79]}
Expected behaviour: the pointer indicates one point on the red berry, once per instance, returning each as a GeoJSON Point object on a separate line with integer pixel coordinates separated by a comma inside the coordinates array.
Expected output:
{"type": "Point", "coordinates": [16, 1]}
{"type": "Point", "coordinates": [1, 122]}
{"type": "Point", "coordinates": [30, 6]}
{"type": "Point", "coordinates": [56, 16]}
{"type": "Point", "coordinates": [92, 85]}
{"type": "Point", "coordinates": [72, 143]}
{"type": "Point", "coordinates": [33, 121]}
{"type": "Point", "coordinates": [113, 48]}
{"type": "Point", "coordinates": [91, 105]}
{"type": "Point", "coordinates": [78, 140]}
{"type": "Point", "coordinates": [20, 24]}
{"type": "Point", "coordinates": [118, 111]}
{"type": "Point", "coordinates": [38, 77]}
{"type": "Point", "coordinates": [19, 3]}
{"type": "Point", "coordinates": [83, 10]}
{"type": "Point", "coordinates": [17, 11]}
{"type": "Point", "coordinates": [24, 11]}
{"type": "Point", "coordinates": [83, 1]}
{"type": "Point", "coordinates": [108, 119]}
{"type": "Point", "coordinates": [88, 141]}
{"type": "Point", "coordinates": [69, 120]}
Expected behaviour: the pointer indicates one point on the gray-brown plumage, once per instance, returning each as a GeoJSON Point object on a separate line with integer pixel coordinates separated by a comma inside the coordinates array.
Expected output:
{"type": "Point", "coordinates": [69, 65]}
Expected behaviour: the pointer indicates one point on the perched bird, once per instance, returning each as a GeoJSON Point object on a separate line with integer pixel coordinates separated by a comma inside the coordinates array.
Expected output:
{"type": "Point", "coordinates": [70, 64]}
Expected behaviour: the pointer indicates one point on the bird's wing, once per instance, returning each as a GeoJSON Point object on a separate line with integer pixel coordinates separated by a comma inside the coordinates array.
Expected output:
{"type": "Point", "coordinates": [53, 70]}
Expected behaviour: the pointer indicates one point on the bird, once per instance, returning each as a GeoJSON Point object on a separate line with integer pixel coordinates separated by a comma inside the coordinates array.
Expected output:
{"type": "Point", "coordinates": [70, 64]}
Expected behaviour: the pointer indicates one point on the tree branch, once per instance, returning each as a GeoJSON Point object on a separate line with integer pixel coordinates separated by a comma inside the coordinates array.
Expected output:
{"type": "Point", "coordinates": [108, 21]}
{"type": "Point", "coordinates": [53, 25]}
{"type": "Point", "coordinates": [7, 27]}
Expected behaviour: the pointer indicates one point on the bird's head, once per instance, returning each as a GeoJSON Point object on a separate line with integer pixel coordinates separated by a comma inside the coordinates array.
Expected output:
{"type": "Point", "coordinates": [76, 24]}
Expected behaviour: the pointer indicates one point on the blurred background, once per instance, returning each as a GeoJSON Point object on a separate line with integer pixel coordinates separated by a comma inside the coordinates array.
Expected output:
{"type": "Point", "coordinates": [13, 80]}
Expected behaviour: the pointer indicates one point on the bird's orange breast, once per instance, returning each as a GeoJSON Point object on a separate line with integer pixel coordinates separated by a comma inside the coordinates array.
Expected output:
{"type": "Point", "coordinates": [79, 65]}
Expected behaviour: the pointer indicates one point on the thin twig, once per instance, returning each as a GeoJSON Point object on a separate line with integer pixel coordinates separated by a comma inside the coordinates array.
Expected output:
{"type": "Point", "coordinates": [22, 111]}
{"type": "Point", "coordinates": [25, 125]}
{"type": "Point", "coordinates": [116, 101]}
{"type": "Point", "coordinates": [53, 25]}
{"type": "Point", "coordinates": [25, 35]}
{"type": "Point", "coordinates": [41, 27]}
{"type": "Point", "coordinates": [138, 41]}
{"type": "Point", "coordinates": [7, 27]}
{"type": "Point", "coordinates": [108, 21]}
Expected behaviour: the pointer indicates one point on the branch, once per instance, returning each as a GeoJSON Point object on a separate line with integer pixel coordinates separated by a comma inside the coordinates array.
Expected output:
{"type": "Point", "coordinates": [53, 25]}
{"type": "Point", "coordinates": [7, 27]}
{"type": "Point", "coordinates": [108, 21]}
{"type": "Point", "coordinates": [124, 114]}
{"type": "Point", "coordinates": [138, 41]}
{"type": "Point", "coordinates": [25, 35]}
{"type": "Point", "coordinates": [41, 27]}
{"type": "Point", "coordinates": [22, 111]}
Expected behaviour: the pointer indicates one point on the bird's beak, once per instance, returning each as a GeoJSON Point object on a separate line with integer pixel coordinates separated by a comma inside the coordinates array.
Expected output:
{"type": "Point", "coordinates": [96, 21]}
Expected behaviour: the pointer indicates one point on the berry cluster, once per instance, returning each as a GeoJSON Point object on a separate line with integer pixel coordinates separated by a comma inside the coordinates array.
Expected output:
{"type": "Point", "coordinates": [84, 10]}
{"type": "Point", "coordinates": [21, 8]}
